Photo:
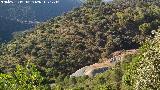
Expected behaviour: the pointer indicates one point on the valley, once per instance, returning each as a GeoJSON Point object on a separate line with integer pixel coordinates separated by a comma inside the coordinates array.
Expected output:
{"type": "Point", "coordinates": [20, 17]}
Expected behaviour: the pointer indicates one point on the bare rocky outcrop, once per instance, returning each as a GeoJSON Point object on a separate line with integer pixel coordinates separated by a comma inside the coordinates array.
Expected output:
{"type": "Point", "coordinates": [98, 68]}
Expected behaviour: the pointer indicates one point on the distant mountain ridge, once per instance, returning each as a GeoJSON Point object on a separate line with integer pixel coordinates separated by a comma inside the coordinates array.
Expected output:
{"type": "Point", "coordinates": [37, 12]}
{"type": "Point", "coordinates": [8, 27]}
{"type": "Point", "coordinates": [18, 17]}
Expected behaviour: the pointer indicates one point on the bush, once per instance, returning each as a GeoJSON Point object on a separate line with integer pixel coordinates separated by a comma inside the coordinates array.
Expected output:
{"type": "Point", "coordinates": [148, 73]}
{"type": "Point", "coordinates": [23, 78]}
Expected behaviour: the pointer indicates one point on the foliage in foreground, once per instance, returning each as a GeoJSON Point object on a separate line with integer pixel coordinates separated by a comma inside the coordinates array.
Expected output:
{"type": "Point", "coordinates": [148, 72]}
{"type": "Point", "coordinates": [23, 78]}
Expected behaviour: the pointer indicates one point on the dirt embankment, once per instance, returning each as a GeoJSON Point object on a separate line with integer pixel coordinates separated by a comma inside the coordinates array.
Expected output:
{"type": "Point", "coordinates": [106, 63]}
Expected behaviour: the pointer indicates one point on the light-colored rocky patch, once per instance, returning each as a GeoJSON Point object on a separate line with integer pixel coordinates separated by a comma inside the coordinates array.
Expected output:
{"type": "Point", "coordinates": [98, 68]}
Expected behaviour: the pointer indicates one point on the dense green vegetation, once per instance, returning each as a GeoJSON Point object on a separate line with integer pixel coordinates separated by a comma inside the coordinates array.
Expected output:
{"type": "Point", "coordinates": [82, 37]}
{"type": "Point", "coordinates": [24, 78]}
{"type": "Point", "coordinates": [136, 72]}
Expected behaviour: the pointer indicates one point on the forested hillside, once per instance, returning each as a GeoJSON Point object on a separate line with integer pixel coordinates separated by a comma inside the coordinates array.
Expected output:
{"type": "Point", "coordinates": [62, 45]}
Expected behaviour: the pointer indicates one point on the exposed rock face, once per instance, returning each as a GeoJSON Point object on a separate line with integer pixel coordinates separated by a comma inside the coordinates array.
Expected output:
{"type": "Point", "coordinates": [98, 68]}
{"type": "Point", "coordinates": [91, 70]}
{"type": "Point", "coordinates": [80, 72]}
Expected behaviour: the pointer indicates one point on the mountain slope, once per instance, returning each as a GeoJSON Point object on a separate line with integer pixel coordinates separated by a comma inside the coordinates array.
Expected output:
{"type": "Point", "coordinates": [80, 38]}
{"type": "Point", "coordinates": [136, 72]}
{"type": "Point", "coordinates": [84, 35]}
